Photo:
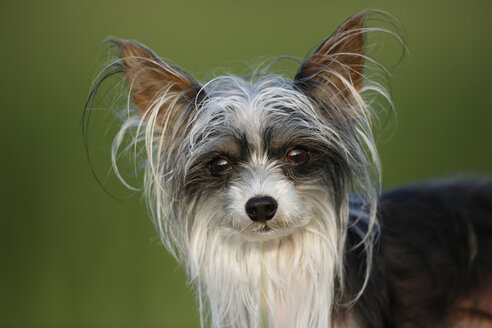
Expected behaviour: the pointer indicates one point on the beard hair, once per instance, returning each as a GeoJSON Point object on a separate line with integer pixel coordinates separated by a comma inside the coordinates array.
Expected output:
{"type": "Point", "coordinates": [289, 281]}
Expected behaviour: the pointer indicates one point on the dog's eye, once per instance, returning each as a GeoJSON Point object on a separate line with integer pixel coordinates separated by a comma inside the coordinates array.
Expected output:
{"type": "Point", "coordinates": [220, 165]}
{"type": "Point", "coordinates": [297, 156]}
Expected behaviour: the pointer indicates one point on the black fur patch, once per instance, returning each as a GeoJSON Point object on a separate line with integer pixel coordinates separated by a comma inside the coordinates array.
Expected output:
{"type": "Point", "coordinates": [435, 247]}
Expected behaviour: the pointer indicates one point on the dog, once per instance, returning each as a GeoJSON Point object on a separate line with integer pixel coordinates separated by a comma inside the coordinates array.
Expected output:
{"type": "Point", "coordinates": [266, 190]}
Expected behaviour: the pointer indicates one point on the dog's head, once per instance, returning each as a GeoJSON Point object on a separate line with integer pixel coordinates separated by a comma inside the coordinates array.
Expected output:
{"type": "Point", "coordinates": [248, 179]}
{"type": "Point", "coordinates": [260, 157]}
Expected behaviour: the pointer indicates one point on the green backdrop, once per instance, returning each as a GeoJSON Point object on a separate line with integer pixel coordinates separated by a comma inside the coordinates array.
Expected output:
{"type": "Point", "coordinates": [72, 256]}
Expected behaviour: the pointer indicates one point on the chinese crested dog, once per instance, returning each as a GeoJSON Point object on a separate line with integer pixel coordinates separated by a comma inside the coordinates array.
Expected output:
{"type": "Point", "coordinates": [266, 190]}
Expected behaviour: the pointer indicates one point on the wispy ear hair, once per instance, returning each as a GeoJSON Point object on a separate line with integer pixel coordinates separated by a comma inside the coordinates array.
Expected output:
{"type": "Point", "coordinates": [161, 93]}
{"type": "Point", "coordinates": [334, 72]}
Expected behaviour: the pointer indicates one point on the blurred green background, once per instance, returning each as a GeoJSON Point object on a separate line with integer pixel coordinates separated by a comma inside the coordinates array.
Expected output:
{"type": "Point", "coordinates": [72, 256]}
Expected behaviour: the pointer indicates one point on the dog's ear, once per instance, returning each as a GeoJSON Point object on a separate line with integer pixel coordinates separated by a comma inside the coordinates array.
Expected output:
{"type": "Point", "coordinates": [155, 85]}
{"type": "Point", "coordinates": [334, 72]}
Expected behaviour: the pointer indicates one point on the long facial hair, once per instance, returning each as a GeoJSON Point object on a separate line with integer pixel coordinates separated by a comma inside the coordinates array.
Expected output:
{"type": "Point", "coordinates": [286, 275]}
{"type": "Point", "coordinates": [236, 279]}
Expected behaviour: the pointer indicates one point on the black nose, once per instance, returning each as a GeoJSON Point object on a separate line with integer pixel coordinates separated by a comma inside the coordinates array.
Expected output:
{"type": "Point", "coordinates": [261, 209]}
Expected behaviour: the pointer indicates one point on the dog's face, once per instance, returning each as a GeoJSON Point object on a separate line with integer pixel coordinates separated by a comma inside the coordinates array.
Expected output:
{"type": "Point", "coordinates": [259, 158]}
{"type": "Point", "coordinates": [264, 153]}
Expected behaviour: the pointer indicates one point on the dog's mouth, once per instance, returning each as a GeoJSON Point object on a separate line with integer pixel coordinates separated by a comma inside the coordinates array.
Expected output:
{"type": "Point", "coordinates": [266, 231]}
{"type": "Point", "coordinates": [263, 229]}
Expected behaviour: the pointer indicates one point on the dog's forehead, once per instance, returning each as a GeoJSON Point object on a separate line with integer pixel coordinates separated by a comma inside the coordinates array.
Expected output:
{"type": "Point", "coordinates": [252, 109]}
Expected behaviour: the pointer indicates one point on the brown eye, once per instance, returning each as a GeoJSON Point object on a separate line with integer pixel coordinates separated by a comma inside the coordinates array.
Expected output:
{"type": "Point", "coordinates": [297, 156]}
{"type": "Point", "coordinates": [220, 166]}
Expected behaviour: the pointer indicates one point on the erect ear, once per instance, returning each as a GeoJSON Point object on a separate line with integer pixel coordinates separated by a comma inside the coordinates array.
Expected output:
{"type": "Point", "coordinates": [334, 72]}
{"type": "Point", "coordinates": [154, 83]}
